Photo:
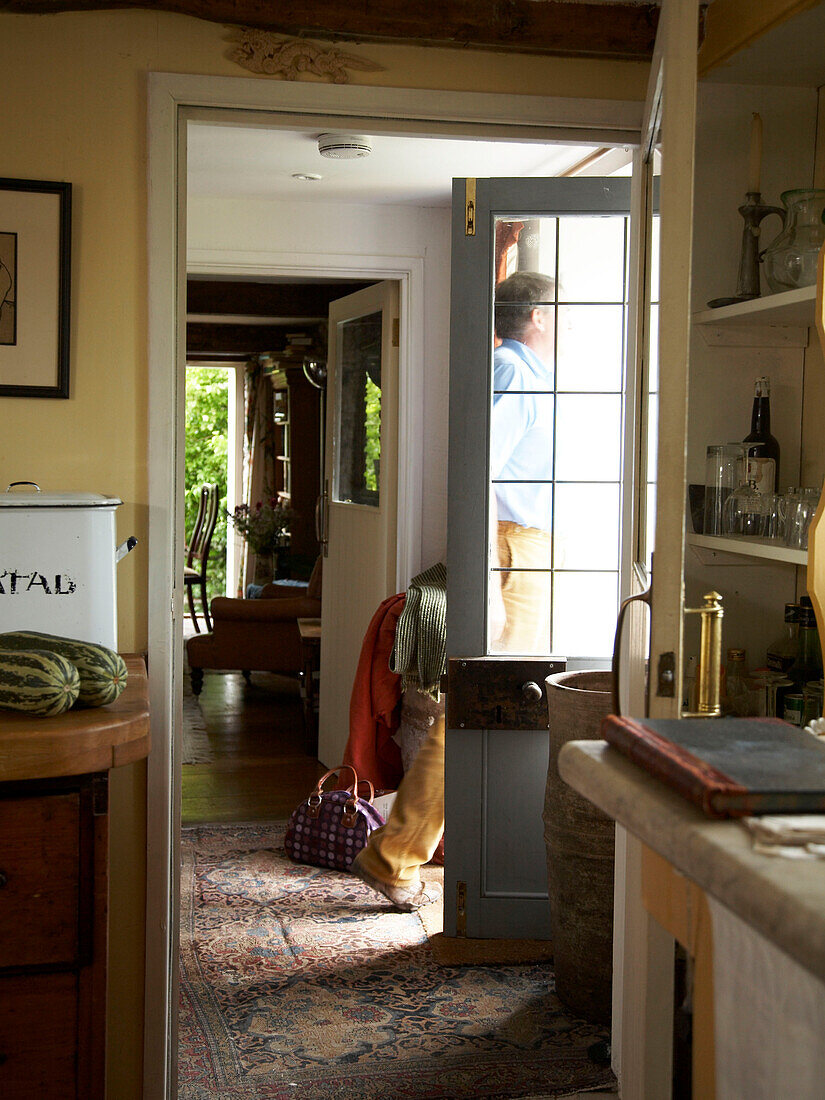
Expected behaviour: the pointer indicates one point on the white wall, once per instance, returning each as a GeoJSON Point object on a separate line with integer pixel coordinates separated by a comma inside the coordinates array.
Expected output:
{"type": "Point", "coordinates": [278, 234]}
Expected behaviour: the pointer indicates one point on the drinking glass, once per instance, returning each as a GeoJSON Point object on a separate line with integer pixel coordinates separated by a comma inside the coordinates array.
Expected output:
{"type": "Point", "coordinates": [723, 473]}
{"type": "Point", "coordinates": [800, 509]}
{"type": "Point", "coordinates": [773, 518]}
{"type": "Point", "coordinates": [744, 512]}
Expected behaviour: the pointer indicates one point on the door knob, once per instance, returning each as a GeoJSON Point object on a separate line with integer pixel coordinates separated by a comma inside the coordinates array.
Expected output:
{"type": "Point", "coordinates": [531, 691]}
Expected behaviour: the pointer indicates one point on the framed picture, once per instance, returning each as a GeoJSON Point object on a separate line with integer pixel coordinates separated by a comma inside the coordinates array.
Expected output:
{"type": "Point", "coordinates": [35, 287]}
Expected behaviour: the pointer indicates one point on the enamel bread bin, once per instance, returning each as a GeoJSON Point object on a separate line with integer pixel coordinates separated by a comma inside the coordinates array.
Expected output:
{"type": "Point", "coordinates": [57, 563]}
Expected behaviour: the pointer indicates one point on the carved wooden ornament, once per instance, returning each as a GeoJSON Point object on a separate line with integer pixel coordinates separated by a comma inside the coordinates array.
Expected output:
{"type": "Point", "coordinates": [267, 53]}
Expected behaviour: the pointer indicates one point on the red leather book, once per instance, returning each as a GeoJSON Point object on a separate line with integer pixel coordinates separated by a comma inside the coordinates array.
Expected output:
{"type": "Point", "coordinates": [729, 767]}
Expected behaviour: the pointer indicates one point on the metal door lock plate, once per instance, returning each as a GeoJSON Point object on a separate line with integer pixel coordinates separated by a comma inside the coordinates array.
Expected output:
{"type": "Point", "coordinates": [499, 693]}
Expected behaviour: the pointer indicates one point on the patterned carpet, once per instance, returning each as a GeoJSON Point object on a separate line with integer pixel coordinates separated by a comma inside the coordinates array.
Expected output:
{"type": "Point", "coordinates": [302, 983]}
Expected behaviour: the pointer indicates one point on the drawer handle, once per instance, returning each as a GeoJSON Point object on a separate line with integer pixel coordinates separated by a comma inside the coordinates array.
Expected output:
{"type": "Point", "coordinates": [4, 878]}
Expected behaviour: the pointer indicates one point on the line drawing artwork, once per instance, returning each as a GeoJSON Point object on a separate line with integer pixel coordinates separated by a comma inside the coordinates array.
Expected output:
{"type": "Point", "coordinates": [8, 288]}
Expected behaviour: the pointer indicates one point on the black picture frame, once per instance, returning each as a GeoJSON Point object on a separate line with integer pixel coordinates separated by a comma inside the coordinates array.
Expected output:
{"type": "Point", "coordinates": [35, 287]}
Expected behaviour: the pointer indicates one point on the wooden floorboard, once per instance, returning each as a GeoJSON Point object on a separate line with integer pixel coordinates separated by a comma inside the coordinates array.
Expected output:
{"type": "Point", "coordinates": [261, 769]}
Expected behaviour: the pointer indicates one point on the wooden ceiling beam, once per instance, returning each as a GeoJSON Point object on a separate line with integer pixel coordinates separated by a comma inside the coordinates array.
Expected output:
{"type": "Point", "coordinates": [569, 28]}
{"type": "Point", "coordinates": [205, 338]}
{"type": "Point", "coordinates": [245, 299]}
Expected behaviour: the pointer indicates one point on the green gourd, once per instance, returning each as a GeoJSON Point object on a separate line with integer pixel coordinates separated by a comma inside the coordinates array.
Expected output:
{"type": "Point", "coordinates": [37, 681]}
{"type": "Point", "coordinates": [102, 671]}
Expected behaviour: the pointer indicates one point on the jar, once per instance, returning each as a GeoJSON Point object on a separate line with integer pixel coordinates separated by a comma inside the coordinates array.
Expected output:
{"type": "Point", "coordinates": [791, 259]}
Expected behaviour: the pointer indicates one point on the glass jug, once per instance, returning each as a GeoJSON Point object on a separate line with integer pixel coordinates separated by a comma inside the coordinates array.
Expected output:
{"type": "Point", "coordinates": [790, 260]}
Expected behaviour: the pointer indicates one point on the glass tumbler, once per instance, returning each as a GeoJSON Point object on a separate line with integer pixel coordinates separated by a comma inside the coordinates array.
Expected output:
{"type": "Point", "coordinates": [773, 520]}
{"type": "Point", "coordinates": [800, 509]}
{"type": "Point", "coordinates": [723, 474]}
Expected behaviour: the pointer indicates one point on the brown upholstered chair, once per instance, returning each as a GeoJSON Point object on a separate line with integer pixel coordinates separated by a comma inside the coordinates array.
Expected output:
{"type": "Point", "coordinates": [256, 635]}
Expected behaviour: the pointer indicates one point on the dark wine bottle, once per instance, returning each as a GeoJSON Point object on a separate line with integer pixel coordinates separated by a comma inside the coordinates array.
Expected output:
{"type": "Point", "coordinates": [762, 449]}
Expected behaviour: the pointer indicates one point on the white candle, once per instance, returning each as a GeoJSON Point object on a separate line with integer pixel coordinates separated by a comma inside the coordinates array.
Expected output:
{"type": "Point", "coordinates": [756, 153]}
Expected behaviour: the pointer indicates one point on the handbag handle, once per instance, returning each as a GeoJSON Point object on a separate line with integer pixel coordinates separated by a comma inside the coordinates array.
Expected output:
{"type": "Point", "coordinates": [352, 788]}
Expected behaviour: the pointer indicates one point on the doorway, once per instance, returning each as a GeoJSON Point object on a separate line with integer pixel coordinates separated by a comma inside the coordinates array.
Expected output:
{"type": "Point", "coordinates": [172, 100]}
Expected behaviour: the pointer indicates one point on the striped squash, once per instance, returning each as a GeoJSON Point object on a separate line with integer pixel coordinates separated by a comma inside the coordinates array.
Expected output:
{"type": "Point", "coordinates": [102, 671]}
{"type": "Point", "coordinates": [37, 681]}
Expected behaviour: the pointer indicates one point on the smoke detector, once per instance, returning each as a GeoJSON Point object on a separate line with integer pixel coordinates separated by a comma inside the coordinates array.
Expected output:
{"type": "Point", "coordinates": [344, 146]}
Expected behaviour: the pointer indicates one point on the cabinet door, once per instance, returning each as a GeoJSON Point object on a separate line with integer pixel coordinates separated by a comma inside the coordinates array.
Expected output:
{"type": "Point", "coordinates": [643, 951]}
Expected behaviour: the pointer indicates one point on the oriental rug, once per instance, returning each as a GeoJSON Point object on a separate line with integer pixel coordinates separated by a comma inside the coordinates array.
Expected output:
{"type": "Point", "coordinates": [303, 983]}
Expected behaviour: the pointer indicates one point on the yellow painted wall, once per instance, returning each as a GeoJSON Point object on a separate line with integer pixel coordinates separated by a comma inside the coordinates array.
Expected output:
{"type": "Point", "coordinates": [74, 108]}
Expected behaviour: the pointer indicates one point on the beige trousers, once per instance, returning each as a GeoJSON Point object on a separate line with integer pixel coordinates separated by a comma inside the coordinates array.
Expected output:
{"type": "Point", "coordinates": [396, 852]}
{"type": "Point", "coordinates": [526, 595]}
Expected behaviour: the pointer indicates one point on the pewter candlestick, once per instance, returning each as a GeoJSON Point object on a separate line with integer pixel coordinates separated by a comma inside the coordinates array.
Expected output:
{"type": "Point", "coordinates": [753, 211]}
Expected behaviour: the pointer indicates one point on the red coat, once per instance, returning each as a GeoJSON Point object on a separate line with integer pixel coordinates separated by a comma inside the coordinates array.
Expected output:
{"type": "Point", "coordinates": [375, 705]}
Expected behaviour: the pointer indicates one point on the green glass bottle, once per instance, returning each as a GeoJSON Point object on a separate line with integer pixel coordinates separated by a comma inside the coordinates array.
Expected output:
{"type": "Point", "coordinates": [808, 663]}
{"type": "Point", "coordinates": [783, 650]}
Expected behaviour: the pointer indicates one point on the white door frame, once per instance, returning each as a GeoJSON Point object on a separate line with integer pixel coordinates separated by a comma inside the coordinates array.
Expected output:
{"type": "Point", "coordinates": [172, 100]}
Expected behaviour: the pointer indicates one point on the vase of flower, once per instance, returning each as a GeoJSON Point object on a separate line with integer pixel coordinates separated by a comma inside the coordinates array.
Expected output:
{"type": "Point", "coordinates": [264, 528]}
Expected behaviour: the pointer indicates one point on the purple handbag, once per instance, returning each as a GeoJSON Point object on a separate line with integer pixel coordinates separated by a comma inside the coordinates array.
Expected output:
{"type": "Point", "coordinates": [330, 828]}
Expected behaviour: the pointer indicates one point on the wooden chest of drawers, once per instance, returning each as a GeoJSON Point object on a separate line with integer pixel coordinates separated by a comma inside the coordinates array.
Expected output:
{"type": "Point", "coordinates": [54, 892]}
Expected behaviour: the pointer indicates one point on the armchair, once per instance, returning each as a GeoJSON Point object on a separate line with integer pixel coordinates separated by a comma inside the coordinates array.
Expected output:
{"type": "Point", "coordinates": [258, 635]}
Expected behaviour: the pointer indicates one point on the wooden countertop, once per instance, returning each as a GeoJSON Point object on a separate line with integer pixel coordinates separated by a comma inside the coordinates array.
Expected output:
{"type": "Point", "coordinates": [80, 741]}
{"type": "Point", "coordinates": [783, 899]}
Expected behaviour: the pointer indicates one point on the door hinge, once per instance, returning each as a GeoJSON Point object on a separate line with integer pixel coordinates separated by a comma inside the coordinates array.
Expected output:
{"type": "Point", "coordinates": [470, 208]}
{"type": "Point", "coordinates": [461, 908]}
{"type": "Point", "coordinates": [396, 332]}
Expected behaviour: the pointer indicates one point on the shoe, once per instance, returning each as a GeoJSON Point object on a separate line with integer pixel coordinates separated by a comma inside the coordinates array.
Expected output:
{"type": "Point", "coordinates": [405, 898]}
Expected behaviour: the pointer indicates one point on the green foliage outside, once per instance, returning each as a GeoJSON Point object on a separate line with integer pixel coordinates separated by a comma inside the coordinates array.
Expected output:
{"type": "Point", "coordinates": [207, 423]}
{"type": "Point", "coordinates": [372, 445]}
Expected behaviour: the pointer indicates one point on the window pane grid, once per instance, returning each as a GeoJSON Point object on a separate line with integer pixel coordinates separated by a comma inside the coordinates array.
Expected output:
{"type": "Point", "coordinates": [577, 398]}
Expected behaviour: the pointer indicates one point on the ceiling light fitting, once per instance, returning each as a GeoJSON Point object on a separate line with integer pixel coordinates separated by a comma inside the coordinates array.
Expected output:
{"type": "Point", "coordinates": [306, 177]}
{"type": "Point", "coordinates": [344, 146]}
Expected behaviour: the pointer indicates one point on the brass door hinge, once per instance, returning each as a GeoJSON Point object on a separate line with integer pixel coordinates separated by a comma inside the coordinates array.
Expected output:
{"type": "Point", "coordinates": [461, 908]}
{"type": "Point", "coordinates": [396, 332]}
{"type": "Point", "coordinates": [469, 208]}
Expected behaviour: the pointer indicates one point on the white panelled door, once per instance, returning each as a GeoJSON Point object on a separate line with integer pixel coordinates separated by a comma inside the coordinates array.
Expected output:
{"type": "Point", "coordinates": [359, 503]}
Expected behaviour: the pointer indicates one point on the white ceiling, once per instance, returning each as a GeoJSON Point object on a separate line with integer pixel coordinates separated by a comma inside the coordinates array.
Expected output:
{"type": "Point", "coordinates": [251, 162]}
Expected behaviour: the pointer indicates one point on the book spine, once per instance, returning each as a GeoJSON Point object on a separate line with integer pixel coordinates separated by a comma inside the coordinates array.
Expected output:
{"type": "Point", "coordinates": [683, 772]}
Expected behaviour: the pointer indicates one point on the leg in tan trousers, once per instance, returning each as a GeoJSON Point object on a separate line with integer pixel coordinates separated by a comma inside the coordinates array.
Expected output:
{"type": "Point", "coordinates": [392, 860]}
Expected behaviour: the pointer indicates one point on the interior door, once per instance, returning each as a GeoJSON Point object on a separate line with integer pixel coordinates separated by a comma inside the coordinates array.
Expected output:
{"type": "Point", "coordinates": [358, 513]}
{"type": "Point", "coordinates": [567, 489]}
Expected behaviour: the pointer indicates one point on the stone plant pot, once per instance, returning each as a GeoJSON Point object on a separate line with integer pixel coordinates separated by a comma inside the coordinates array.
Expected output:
{"type": "Point", "coordinates": [580, 853]}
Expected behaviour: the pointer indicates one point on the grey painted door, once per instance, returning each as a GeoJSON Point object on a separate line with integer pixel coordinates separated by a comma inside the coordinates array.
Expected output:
{"type": "Point", "coordinates": [536, 445]}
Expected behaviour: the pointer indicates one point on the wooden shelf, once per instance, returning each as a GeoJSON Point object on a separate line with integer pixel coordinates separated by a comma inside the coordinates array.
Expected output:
{"type": "Point", "coordinates": [792, 308]}
{"type": "Point", "coordinates": [744, 547]}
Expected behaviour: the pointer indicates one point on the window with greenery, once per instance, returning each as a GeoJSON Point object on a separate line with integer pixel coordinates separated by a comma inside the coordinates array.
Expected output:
{"type": "Point", "coordinates": [207, 423]}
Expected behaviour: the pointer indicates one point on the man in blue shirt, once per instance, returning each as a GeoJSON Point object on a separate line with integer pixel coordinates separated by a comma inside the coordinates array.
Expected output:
{"type": "Point", "coordinates": [521, 462]}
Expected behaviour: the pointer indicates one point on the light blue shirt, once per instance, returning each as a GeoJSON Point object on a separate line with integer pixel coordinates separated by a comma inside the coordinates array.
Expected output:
{"type": "Point", "coordinates": [521, 435]}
